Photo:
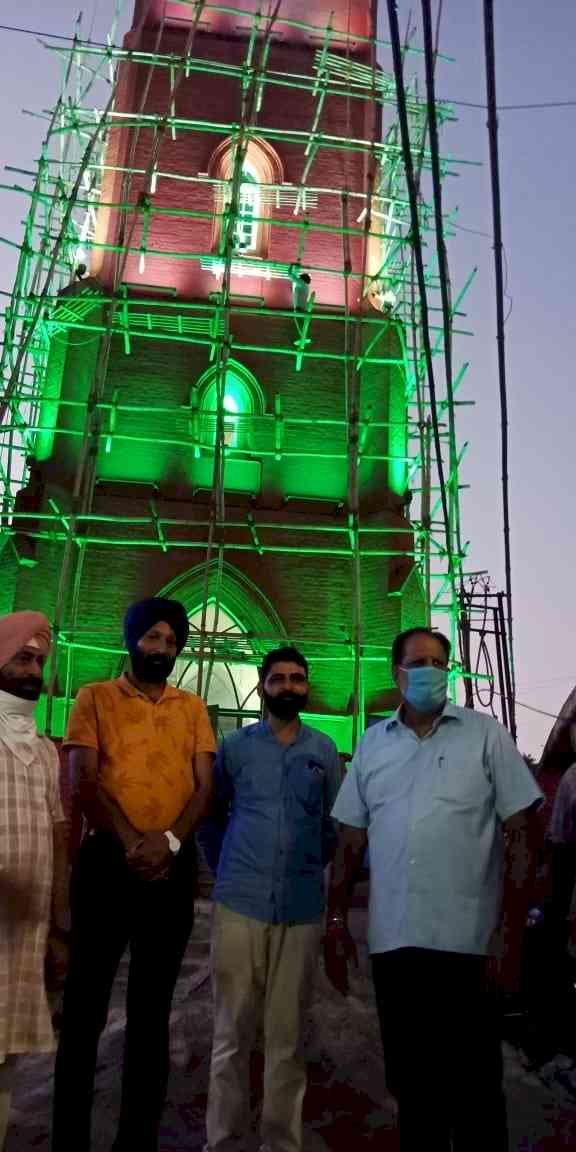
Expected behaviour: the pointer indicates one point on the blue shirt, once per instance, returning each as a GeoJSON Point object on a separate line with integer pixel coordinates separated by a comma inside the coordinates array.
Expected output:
{"type": "Point", "coordinates": [276, 834]}
{"type": "Point", "coordinates": [434, 809]}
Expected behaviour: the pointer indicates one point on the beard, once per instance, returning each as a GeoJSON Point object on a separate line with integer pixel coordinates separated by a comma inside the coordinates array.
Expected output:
{"type": "Point", "coordinates": [24, 687]}
{"type": "Point", "coordinates": [287, 705]}
{"type": "Point", "coordinates": [151, 667]}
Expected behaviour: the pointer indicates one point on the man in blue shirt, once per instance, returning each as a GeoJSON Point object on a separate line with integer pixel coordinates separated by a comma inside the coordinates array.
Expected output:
{"type": "Point", "coordinates": [276, 784]}
{"type": "Point", "coordinates": [442, 796]}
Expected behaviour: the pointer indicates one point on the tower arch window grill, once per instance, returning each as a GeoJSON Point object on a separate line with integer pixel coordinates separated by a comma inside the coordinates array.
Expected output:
{"type": "Point", "coordinates": [242, 399]}
{"type": "Point", "coordinates": [227, 641]}
{"type": "Point", "coordinates": [261, 178]}
{"type": "Point", "coordinates": [231, 672]}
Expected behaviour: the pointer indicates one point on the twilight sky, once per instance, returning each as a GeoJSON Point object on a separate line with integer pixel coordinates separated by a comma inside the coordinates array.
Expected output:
{"type": "Point", "coordinates": [536, 46]}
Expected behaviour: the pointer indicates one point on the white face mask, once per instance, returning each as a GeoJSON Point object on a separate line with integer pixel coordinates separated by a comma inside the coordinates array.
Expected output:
{"type": "Point", "coordinates": [18, 726]}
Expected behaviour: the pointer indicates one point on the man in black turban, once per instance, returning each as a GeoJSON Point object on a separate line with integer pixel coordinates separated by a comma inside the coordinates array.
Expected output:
{"type": "Point", "coordinates": [150, 663]}
{"type": "Point", "coordinates": [142, 752]}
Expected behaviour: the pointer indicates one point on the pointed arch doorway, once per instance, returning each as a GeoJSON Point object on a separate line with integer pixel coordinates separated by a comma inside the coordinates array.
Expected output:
{"type": "Point", "coordinates": [229, 672]}
{"type": "Point", "coordinates": [240, 625]}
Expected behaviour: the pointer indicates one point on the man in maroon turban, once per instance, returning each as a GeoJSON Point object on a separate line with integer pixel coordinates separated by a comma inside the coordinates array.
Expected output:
{"type": "Point", "coordinates": [33, 864]}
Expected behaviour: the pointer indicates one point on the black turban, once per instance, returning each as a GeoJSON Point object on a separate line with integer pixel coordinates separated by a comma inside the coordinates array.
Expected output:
{"type": "Point", "coordinates": [145, 614]}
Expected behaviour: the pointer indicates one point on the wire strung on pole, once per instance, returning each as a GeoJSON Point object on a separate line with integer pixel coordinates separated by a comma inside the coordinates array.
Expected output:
{"type": "Point", "coordinates": [419, 263]}
{"type": "Point", "coordinates": [500, 325]}
{"type": "Point", "coordinates": [444, 276]}
{"type": "Point", "coordinates": [352, 401]}
{"type": "Point", "coordinates": [443, 270]}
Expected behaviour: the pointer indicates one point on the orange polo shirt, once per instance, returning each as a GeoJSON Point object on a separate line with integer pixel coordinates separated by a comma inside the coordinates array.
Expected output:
{"type": "Point", "coordinates": [146, 749]}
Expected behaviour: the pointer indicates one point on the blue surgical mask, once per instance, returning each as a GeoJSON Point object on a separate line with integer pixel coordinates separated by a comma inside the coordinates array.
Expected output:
{"type": "Point", "coordinates": [427, 688]}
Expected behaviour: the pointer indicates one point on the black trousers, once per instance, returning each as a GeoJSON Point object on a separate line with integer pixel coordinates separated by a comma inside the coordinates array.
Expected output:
{"type": "Point", "coordinates": [110, 909]}
{"type": "Point", "coordinates": [549, 970]}
{"type": "Point", "coordinates": [442, 1050]}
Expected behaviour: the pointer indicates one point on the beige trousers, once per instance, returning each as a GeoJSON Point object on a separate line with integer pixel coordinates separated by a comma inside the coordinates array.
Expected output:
{"type": "Point", "coordinates": [6, 1080]}
{"type": "Point", "coordinates": [262, 975]}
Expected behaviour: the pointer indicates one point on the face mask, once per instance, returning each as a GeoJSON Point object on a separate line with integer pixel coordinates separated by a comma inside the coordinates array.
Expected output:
{"type": "Point", "coordinates": [151, 667]}
{"type": "Point", "coordinates": [426, 689]}
{"type": "Point", "coordinates": [286, 706]}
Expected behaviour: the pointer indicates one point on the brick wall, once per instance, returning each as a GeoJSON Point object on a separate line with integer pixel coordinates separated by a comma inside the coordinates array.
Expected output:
{"type": "Point", "coordinates": [311, 594]}
{"type": "Point", "coordinates": [215, 99]}
{"type": "Point", "coordinates": [164, 374]}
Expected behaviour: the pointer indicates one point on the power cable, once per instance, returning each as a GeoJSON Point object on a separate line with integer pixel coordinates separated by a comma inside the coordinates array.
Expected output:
{"type": "Point", "coordinates": [443, 272]}
{"type": "Point", "coordinates": [532, 708]}
{"type": "Point", "coordinates": [416, 241]}
{"type": "Point", "coordinates": [490, 55]}
{"type": "Point", "coordinates": [522, 107]}
{"type": "Point", "coordinates": [533, 107]}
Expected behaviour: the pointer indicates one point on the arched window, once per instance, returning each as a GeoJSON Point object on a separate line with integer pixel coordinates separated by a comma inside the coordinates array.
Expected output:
{"type": "Point", "coordinates": [262, 172]}
{"type": "Point", "coordinates": [229, 681]}
{"type": "Point", "coordinates": [242, 398]}
{"type": "Point", "coordinates": [247, 626]}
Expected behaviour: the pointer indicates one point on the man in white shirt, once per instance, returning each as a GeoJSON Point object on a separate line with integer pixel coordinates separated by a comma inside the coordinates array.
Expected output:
{"type": "Point", "coordinates": [442, 797]}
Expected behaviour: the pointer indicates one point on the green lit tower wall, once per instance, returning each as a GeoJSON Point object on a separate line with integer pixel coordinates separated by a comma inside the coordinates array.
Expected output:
{"type": "Point", "coordinates": [223, 395]}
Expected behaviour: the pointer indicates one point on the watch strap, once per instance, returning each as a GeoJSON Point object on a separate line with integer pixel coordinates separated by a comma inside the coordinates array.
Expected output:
{"type": "Point", "coordinates": [174, 843]}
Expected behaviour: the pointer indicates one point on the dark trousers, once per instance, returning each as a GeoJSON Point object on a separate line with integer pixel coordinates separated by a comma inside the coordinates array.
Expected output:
{"type": "Point", "coordinates": [442, 1050]}
{"type": "Point", "coordinates": [549, 970]}
{"type": "Point", "coordinates": [112, 908]}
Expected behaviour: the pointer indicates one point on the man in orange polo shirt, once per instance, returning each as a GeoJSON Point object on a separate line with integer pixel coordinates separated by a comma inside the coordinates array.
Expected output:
{"type": "Point", "coordinates": [141, 753]}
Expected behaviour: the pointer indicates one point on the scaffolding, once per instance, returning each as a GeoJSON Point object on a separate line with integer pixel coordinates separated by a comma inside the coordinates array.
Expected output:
{"type": "Point", "coordinates": [398, 219]}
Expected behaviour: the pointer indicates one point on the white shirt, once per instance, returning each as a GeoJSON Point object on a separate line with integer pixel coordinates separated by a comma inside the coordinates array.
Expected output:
{"type": "Point", "coordinates": [434, 810]}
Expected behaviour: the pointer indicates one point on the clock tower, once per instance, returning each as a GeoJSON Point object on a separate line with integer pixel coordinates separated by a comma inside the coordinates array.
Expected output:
{"type": "Point", "coordinates": [226, 419]}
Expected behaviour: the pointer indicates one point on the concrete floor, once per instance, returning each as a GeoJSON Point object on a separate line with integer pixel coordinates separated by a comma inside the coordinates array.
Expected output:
{"type": "Point", "coordinates": [346, 1106]}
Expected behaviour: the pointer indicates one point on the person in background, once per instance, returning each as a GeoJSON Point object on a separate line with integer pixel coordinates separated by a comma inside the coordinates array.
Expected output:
{"type": "Point", "coordinates": [558, 977]}
{"type": "Point", "coordinates": [444, 800]}
{"type": "Point", "coordinates": [562, 847]}
{"type": "Point", "coordinates": [33, 853]}
{"type": "Point", "coordinates": [142, 754]}
{"type": "Point", "coordinates": [276, 783]}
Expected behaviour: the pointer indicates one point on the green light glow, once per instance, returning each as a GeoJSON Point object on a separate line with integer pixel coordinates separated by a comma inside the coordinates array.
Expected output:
{"type": "Point", "coordinates": [242, 399]}
{"type": "Point", "coordinates": [125, 388]}
{"type": "Point", "coordinates": [398, 434]}
{"type": "Point", "coordinates": [237, 401]}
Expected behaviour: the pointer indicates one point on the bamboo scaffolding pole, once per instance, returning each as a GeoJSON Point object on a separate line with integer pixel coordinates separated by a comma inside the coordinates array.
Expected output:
{"type": "Point", "coordinates": [131, 315]}
{"type": "Point", "coordinates": [84, 482]}
{"type": "Point", "coordinates": [249, 114]}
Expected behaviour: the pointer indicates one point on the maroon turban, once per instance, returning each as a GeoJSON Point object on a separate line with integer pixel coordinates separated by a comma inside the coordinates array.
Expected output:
{"type": "Point", "coordinates": [20, 629]}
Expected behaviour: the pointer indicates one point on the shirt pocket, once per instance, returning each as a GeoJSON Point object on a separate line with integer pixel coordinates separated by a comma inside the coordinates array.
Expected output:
{"type": "Point", "coordinates": [308, 784]}
{"type": "Point", "coordinates": [462, 784]}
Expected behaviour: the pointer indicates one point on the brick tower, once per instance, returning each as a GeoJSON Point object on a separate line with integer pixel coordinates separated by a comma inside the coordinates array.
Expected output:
{"type": "Point", "coordinates": [224, 417]}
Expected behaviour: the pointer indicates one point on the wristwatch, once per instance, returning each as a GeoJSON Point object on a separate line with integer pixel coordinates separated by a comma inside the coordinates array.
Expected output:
{"type": "Point", "coordinates": [174, 843]}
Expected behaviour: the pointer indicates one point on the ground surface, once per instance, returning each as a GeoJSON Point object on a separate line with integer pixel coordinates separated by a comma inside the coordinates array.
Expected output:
{"type": "Point", "coordinates": [346, 1107]}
